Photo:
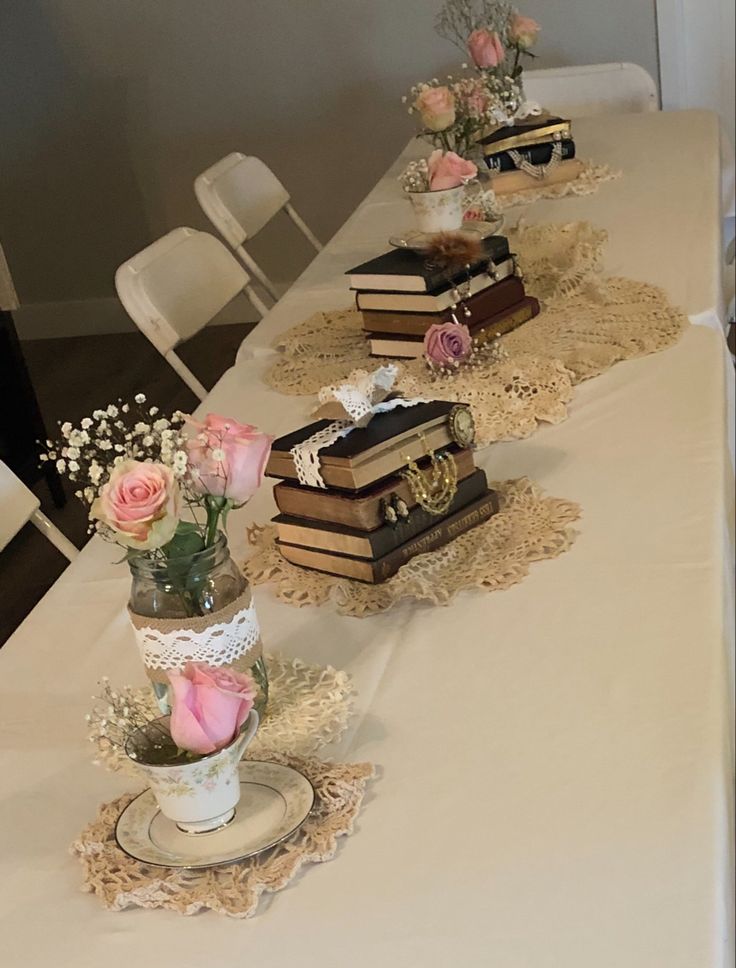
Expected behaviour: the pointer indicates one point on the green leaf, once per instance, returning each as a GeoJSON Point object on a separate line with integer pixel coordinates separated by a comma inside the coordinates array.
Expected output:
{"type": "Point", "coordinates": [184, 527]}
{"type": "Point", "coordinates": [184, 543]}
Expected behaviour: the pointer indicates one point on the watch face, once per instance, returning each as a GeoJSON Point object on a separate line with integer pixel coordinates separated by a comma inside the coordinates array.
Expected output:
{"type": "Point", "coordinates": [462, 426]}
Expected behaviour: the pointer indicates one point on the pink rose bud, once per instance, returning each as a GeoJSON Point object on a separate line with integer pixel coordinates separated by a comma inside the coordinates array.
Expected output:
{"type": "Point", "coordinates": [141, 503]}
{"type": "Point", "coordinates": [485, 47]}
{"type": "Point", "coordinates": [436, 105]}
{"type": "Point", "coordinates": [208, 706]}
{"type": "Point", "coordinates": [448, 170]}
{"type": "Point", "coordinates": [447, 343]}
{"type": "Point", "coordinates": [523, 31]}
{"type": "Point", "coordinates": [226, 458]}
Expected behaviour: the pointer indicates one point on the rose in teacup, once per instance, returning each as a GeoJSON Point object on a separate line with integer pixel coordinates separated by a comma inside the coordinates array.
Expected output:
{"type": "Point", "coordinates": [141, 503]}
{"type": "Point", "coordinates": [227, 458]}
{"type": "Point", "coordinates": [446, 344]}
{"type": "Point", "coordinates": [436, 106]}
{"type": "Point", "coordinates": [208, 706]}
{"type": "Point", "coordinates": [523, 31]}
{"type": "Point", "coordinates": [448, 170]}
{"type": "Point", "coordinates": [485, 47]}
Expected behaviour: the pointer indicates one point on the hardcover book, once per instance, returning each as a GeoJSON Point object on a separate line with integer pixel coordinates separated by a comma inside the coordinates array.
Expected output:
{"type": "Point", "coordinates": [528, 132]}
{"type": "Point", "coordinates": [402, 270]}
{"type": "Point", "coordinates": [324, 536]}
{"type": "Point", "coordinates": [508, 182]}
{"type": "Point", "coordinates": [405, 302]}
{"type": "Point", "coordinates": [412, 347]}
{"type": "Point", "coordinates": [535, 154]}
{"type": "Point", "coordinates": [369, 454]}
{"type": "Point", "coordinates": [483, 304]}
{"type": "Point", "coordinates": [378, 570]}
{"type": "Point", "coordinates": [363, 511]}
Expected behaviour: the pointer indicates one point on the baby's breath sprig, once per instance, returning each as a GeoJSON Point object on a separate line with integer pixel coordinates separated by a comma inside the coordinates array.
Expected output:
{"type": "Point", "coordinates": [115, 716]}
{"type": "Point", "coordinates": [86, 454]}
{"type": "Point", "coordinates": [482, 353]}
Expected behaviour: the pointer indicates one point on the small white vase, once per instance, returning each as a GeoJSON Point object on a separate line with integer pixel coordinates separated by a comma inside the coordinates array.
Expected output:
{"type": "Point", "coordinates": [200, 796]}
{"type": "Point", "coordinates": [440, 211]}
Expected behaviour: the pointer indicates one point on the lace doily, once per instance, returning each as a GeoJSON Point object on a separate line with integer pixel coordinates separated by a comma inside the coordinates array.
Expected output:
{"type": "Point", "coordinates": [588, 323]}
{"type": "Point", "coordinates": [508, 397]}
{"type": "Point", "coordinates": [171, 643]}
{"type": "Point", "coordinates": [308, 707]}
{"type": "Point", "coordinates": [588, 181]}
{"type": "Point", "coordinates": [495, 555]}
{"type": "Point", "coordinates": [590, 331]}
{"type": "Point", "coordinates": [234, 890]}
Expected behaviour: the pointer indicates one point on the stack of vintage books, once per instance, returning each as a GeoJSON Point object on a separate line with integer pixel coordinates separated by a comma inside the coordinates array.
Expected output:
{"type": "Point", "coordinates": [404, 484]}
{"type": "Point", "coordinates": [533, 152]}
{"type": "Point", "coordinates": [400, 294]}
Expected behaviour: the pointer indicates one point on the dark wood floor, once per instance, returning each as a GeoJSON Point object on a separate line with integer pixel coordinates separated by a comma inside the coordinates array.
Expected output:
{"type": "Point", "coordinates": [73, 377]}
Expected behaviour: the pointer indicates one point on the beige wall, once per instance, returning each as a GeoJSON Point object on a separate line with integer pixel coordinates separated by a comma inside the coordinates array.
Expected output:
{"type": "Point", "coordinates": [111, 107]}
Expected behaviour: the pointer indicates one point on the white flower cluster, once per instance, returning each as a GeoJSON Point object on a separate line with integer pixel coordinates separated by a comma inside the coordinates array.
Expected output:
{"type": "Point", "coordinates": [415, 177]}
{"type": "Point", "coordinates": [122, 431]}
{"type": "Point", "coordinates": [115, 715]}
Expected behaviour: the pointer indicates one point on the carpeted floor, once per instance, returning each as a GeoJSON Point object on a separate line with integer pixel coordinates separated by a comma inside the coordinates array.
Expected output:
{"type": "Point", "coordinates": [73, 377]}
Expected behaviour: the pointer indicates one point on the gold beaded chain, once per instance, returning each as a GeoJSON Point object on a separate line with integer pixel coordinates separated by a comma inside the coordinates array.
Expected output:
{"type": "Point", "coordinates": [433, 489]}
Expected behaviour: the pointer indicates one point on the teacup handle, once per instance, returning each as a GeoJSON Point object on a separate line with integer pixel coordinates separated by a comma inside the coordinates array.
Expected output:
{"type": "Point", "coordinates": [244, 740]}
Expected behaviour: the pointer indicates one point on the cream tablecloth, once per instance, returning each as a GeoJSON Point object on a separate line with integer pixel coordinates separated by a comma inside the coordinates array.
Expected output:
{"type": "Point", "coordinates": [555, 760]}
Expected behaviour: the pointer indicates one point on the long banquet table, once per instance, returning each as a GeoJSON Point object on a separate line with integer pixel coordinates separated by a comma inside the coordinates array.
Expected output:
{"type": "Point", "coordinates": [555, 763]}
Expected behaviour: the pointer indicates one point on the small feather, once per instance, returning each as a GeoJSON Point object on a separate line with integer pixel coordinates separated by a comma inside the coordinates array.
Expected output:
{"type": "Point", "coordinates": [453, 250]}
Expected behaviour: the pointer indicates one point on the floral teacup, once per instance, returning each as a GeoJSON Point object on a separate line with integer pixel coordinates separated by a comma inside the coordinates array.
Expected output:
{"type": "Point", "coordinates": [200, 796]}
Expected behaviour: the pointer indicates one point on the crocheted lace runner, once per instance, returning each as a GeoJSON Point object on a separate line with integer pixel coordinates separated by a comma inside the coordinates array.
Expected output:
{"type": "Point", "coordinates": [495, 555]}
{"type": "Point", "coordinates": [588, 323]}
{"type": "Point", "coordinates": [588, 181]}
{"type": "Point", "coordinates": [235, 890]}
{"type": "Point", "coordinates": [308, 707]}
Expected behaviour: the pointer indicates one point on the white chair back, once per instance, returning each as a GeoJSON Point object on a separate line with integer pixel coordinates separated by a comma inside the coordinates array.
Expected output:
{"type": "Point", "coordinates": [18, 506]}
{"type": "Point", "coordinates": [239, 195]}
{"type": "Point", "coordinates": [592, 89]}
{"type": "Point", "coordinates": [175, 286]}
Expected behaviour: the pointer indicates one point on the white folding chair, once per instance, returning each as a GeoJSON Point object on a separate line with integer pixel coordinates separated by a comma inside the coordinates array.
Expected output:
{"type": "Point", "coordinates": [177, 285]}
{"type": "Point", "coordinates": [18, 506]}
{"type": "Point", "coordinates": [239, 195]}
{"type": "Point", "coordinates": [592, 89]}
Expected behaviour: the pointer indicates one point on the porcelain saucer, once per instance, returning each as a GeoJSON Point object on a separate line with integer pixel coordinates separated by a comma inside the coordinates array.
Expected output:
{"type": "Point", "coordinates": [274, 801]}
{"type": "Point", "coordinates": [419, 241]}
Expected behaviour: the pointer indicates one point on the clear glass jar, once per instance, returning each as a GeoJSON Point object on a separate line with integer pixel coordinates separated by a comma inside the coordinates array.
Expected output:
{"type": "Point", "coordinates": [187, 586]}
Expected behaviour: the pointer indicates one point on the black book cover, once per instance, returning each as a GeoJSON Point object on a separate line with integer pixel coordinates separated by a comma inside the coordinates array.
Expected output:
{"type": "Point", "coordinates": [387, 538]}
{"type": "Point", "coordinates": [534, 154]}
{"type": "Point", "coordinates": [404, 262]}
{"type": "Point", "coordinates": [522, 128]}
{"type": "Point", "coordinates": [382, 427]}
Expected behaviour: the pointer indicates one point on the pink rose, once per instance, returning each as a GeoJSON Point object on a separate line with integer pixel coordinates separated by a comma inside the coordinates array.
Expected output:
{"type": "Point", "coordinates": [447, 343]}
{"type": "Point", "coordinates": [448, 170]}
{"type": "Point", "coordinates": [436, 105]}
{"type": "Point", "coordinates": [523, 30]}
{"type": "Point", "coordinates": [208, 706]}
{"type": "Point", "coordinates": [227, 458]}
{"type": "Point", "coordinates": [141, 502]}
{"type": "Point", "coordinates": [485, 47]}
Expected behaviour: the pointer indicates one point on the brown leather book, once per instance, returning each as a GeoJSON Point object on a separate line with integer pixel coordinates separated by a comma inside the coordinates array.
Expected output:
{"type": "Point", "coordinates": [379, 569]}
{"type": "Point", "coordinates": [364, 510]}
{"type": "Point", "coordinates": [508, 182]}
{"type": "Point", "coordinates": [412, 347]}
{"type": "Point", "coordinates": [324, 536]}
{"type": "Point", "coordinates": [482, 305]}
{"type": "Point", "coordinates": [379, 450]}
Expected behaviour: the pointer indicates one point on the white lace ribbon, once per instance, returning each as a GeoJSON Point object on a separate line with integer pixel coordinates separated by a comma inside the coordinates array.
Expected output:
{"type": "Point", "coordinates": [360, 398]}
{"type": "Point", "coordinates": [164, 646]}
